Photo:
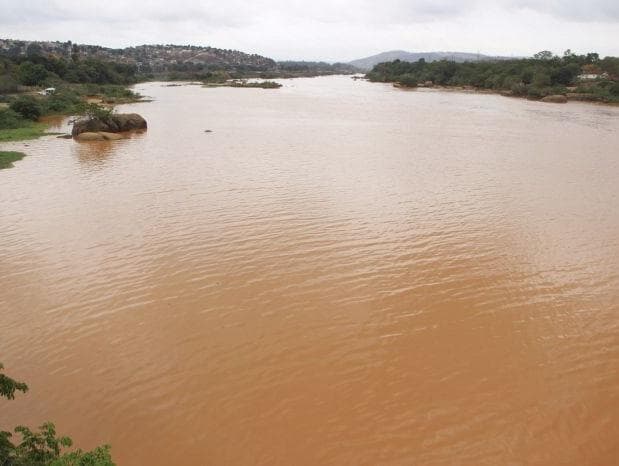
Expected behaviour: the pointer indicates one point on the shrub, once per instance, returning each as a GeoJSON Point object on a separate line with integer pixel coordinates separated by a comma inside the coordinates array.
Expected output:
{"type": "Point", "coordinates": [28, 107]}
{"type": "Point", "coordinates": [10, 119]}
{"type": "Point", "coordinates": [96, 111]}
{"type": "Point", "coordinates": [63, 102]}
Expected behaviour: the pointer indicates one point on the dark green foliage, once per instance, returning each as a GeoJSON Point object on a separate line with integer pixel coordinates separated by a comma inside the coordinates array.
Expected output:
{"type": "Point", "coordinates": [565, 75]}
{"type": "Point", "coordinates": [31, 74]}
{"type": "Point", "coordinates": [535, 78]}
{"type": "Point", "coordinates": [39, 448]}
{"type": "Point", "coordinates": [28, 107]}
{"type": "Point", "coordinates": [100, 456]}
{"type": "Point", "coordinates": [42, 447]}
{"type": "Point", "coordinates": [9, 386]}
{"type": "Point", "coordinates": [95, 111]}
{"type": "Point", "coordinates": [9, 119]}
{"type": "Point", "coordinates": [408, 80]}
{"type": "Point", "coordinates": [8, 83]}
{"type": "Point", "coordinates": [63, 102]}
{"type": "Point", "coordinates": [39, 70]}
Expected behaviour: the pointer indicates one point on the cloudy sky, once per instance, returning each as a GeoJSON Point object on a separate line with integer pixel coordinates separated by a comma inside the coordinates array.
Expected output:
{"type": "Point", "coordinates": [333, 30]}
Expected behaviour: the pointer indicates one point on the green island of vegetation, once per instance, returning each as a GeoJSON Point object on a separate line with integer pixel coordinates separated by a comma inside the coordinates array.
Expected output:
{"type": "Point", "coordinates": [221, 80]}
{"type": "Point", "coordinates": [576, 77]}
{"type": "Point", "coordinates": [8, 157]}
{"type": "Point", "coordinates": [42, 447]}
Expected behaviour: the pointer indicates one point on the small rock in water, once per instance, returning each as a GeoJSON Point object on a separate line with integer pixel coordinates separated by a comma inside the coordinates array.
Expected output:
{"type": "Point", "coordinates": [64, 136]}
{"type": "Point", "coordinates": [208, 130]}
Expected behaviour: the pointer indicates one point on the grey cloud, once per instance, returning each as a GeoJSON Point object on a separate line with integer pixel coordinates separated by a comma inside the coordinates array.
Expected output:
{"type": "Point", "coordinates": [323, 29]}
{"type": "Point", "coordinates": [573, 10]}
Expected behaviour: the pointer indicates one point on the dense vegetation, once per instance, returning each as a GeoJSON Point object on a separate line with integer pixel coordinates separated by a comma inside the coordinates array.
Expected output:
{"type": "Point", "coordinates": [294, 69]}
{"type": "Point", "coordinates": [582, 77]}
{"type": "Point", "coordinates": [74, 80]}
{"type": "Point", "coordinates": [36, 68]}
{"type": "Point", "coordinates": [42, 447]}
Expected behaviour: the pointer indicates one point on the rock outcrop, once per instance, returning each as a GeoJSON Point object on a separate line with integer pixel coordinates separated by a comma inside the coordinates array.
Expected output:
{"type": "Point", "coordinates": [555, 99]}
{"type": "Point", "coordinates": [115, 123]}
{"type": "Point", "coordinates": [98, 136]}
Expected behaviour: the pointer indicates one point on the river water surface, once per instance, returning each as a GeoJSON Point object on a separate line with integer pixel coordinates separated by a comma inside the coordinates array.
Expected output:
{"type": "Point", "coordinates": [339, 273]}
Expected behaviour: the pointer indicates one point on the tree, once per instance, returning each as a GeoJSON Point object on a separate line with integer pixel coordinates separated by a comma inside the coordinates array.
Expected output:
{"type": "Point", "coordinates": [31, 74]}
{"type": "Point", "coordinates": [543, 55]}
{"type": "Point", "coordinates": [565, 75]}
{"type": "Point", "coordinates": [9, 386]}
{"type": "Point", "coordinates": [42, 448]}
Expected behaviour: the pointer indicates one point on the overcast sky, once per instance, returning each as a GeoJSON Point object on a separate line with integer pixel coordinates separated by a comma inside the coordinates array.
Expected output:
{"type": "Point", "coordinates": [332, 30]}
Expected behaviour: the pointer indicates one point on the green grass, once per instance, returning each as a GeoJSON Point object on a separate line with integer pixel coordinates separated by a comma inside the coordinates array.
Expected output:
{"type": "Point", "coordinates": [7, 158]}
{"type": "Point", "coordinates": [30, 131]}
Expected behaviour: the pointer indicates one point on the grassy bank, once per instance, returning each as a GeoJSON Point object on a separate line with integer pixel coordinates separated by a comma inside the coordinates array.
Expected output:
{"type": "Point", "coordinates": [7, 158]}
{"type": "Point", "coordinates": [30, 130]}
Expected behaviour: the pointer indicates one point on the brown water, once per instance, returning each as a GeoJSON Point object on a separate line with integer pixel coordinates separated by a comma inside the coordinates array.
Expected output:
{"type": "Point", "coordinates": [340, 273]}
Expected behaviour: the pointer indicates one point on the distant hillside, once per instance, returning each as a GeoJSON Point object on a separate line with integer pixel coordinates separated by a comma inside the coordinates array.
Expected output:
{"type": "Point", "coordinates": [147, 58]}
{"type": "Point", "coordinates": [368, 63]}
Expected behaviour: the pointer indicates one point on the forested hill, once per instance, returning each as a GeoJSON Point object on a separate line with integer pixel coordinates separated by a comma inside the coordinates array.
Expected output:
{"type": "Point", "coordinates": [146, 58]}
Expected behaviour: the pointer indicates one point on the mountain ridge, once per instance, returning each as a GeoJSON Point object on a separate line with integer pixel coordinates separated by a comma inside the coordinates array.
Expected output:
{"type": "Point", "coordinates": [153, 58]}
{"type": "Point", "coordinates": [367, 63]}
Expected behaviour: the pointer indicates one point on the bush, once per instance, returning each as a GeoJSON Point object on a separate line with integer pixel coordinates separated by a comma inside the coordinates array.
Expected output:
{"type": "Point", "coordinates": [28, 107]}
{"type": "Point", "coordinates": [519, 89]}
{"type": "Point", "coordinates": [96, 111]}
{"type": "Point", "coordinates": [63, 102]}
{"type": "Point", "coordinates": [10, 119]}
{"type": "Point", "coordinates": [534, 92]}
{"type": "Point", "coordinates": [8, 84]}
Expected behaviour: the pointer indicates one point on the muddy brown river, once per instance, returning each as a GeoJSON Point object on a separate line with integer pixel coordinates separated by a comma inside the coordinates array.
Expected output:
{"type": "Point", "coordinates": [339, 273]}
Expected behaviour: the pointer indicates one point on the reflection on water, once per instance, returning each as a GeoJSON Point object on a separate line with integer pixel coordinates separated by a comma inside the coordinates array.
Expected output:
{"type": "Point", "coordinates": [340, 273]}
{"type": "Point", "coordinates": [93, 153]}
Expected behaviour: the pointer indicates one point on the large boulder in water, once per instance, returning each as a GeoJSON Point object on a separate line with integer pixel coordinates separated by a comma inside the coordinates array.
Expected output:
{"type": "Point", "coordinates": [115, 123]}
{"type": "Point", "coordinates": [89, 136]}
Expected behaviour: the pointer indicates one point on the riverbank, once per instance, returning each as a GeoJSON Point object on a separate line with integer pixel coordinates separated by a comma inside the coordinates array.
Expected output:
{"type": "Point", "coordinates": [22, 115]}
{"type": "Point", "coordinates": [569, 96]}
{"type": "Point", "coordinates": [30, 130]}
{"type": "Point", "coordinates": [587, 78]}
